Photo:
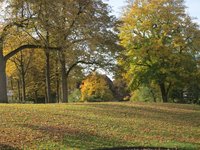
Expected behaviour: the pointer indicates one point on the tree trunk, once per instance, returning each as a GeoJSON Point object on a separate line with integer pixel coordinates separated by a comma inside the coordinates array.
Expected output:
{"type": "Point", "coordinates": [36, 97]}
{"type": "Point", "coordinates": [64, 79]}
{"type": "Point", "coordinates": [23, 88]}
{"type": "Point", "coordinates": [48, 80]}
{"type": "Point", "coordinates": [3, 84]}
{"type": "Point", "coordinates": [19, 91]}
{"type": "Point", "coordinates": [12, 87]}
{"type": "Point", "coordinates": [153, 95]}
{"type": "Point", "coordinates": [57, 91]}
{"type": "Point", "coordinates": [23, 82]}
{"type": "Point", "coordinates": [164, 92]}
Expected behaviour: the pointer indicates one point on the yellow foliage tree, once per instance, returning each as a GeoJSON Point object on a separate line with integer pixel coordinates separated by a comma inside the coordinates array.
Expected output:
{"type": "Point", "coordinates": [97, 87]}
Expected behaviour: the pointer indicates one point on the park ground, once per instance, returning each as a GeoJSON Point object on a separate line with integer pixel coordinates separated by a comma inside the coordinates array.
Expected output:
{"type": "Point", "coordinates": [99, 126]}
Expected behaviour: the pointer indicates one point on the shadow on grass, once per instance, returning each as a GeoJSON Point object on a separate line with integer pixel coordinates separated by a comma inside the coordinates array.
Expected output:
{"type": "Point", "coordinates": [7, 147]}
{"type": "Point", "coordinates": [75, 138]}
{"type": "Point", "coordinates": [121, 111]}
{"type": "Point", "coordinates": [138, 148]}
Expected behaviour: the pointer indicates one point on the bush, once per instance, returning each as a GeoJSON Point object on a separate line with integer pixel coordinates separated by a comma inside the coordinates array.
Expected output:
{"type": "Point", "coordinates": [145, 94]}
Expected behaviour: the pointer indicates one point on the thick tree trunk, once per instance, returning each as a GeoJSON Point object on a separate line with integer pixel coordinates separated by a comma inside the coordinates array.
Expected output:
{"type": "Point", "coordinates": [48, 80]}
{"type": "Point", "coordinates": [3, 84]}
{"type": "Point", "coordinates": [64, 89]}
{"type": "Point", "coordinates": [164, 92]}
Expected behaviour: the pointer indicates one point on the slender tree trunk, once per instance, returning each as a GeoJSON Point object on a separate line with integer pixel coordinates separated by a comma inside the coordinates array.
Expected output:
{"type": "Point", "coordinates": [57, 80]}
{"type": "Point", "coordinates": [3, 84]}
{"type": "Point", "coordinates": [12, 87]}
{"type": "Point", "coordinates": [164, 92]}
{"type": "Point", "coordinates": [48, 80]}
{"type": "Point", "coordinates": [46, 100]}
{"type": "Point", "coordinates": [57, 91]}
{"type": "Point", "coordinates": [57, 88]}
{"type": "Point", "coordinates": [19, 91]}
{"type": "Point", "coordinates": [23, 82]}
{"type": "Point", "coordinates": [63, 79]}
{"type": "Point", "coordinates": [153, 95]}
{"type": "Point", "coordinates": [36, 97]}
{"type": "Point", "coordinates": [23, 88]}
{"type": "Point", "coordinates": [64, 83]}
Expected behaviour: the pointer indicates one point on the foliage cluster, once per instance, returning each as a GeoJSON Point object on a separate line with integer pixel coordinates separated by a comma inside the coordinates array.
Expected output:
{"type": "Point", "coordinates": [96, 88]}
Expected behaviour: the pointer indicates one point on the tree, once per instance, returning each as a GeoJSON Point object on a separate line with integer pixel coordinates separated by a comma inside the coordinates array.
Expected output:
{"type": "Point", "coordinates": [96, 88]}
{"type": "Point", "coordinates": [76, 29]}
{"type": "Point", "coordinates": [158, 37]}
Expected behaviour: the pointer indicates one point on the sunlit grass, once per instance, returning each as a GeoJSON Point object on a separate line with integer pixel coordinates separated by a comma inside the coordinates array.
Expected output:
{"type": "Point", "coordinates": [99, 125]}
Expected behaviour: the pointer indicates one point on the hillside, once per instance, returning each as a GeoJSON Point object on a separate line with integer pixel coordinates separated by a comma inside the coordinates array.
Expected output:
{"type": "Point", "coordinates": [99, 125]}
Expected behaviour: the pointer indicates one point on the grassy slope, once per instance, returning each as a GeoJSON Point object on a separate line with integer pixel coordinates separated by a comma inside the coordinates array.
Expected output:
{"type": "Point", "coordinates": [99, 125]}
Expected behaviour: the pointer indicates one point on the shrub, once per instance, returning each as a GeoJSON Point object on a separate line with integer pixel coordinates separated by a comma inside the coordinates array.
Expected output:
{"type": "Point", "coordinates": [145, 94]}
{"type": "Point", "coordinates": [75, 96]}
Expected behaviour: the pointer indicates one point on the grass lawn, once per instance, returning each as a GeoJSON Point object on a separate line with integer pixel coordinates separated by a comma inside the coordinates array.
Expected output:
{"type": "Point", "coordinates": [99, 125]}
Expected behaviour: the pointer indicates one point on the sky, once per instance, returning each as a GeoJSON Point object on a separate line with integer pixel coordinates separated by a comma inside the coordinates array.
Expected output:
{"type": "Point", "coordinates": [193, 7]}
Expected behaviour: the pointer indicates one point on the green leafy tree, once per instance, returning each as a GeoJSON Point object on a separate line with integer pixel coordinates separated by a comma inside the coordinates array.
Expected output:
{"type": "Point", "coordinates": [158, 37]}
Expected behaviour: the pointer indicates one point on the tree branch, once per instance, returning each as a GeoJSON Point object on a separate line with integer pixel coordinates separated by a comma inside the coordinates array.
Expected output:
{"type": "Point", "coordinates": [28, 46]}
{"type": "Point", "coordinates": [79, 62]}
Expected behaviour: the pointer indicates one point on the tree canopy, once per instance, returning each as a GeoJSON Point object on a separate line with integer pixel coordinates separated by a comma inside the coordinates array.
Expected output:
{"type": "Point", "coordinates": [160, 42]}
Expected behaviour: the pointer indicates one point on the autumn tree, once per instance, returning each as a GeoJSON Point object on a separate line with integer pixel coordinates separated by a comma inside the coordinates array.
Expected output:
{"type": "Point", "coordinates": [159, 38]}
{"type": "Point", "coordinates": [83, 31]}
{"type": "Point", "coordinates": [78, 29]}
{"type": "Point", "coordinates": [96, 88]}
{"type": "Point", "coordinates": [11, 24]}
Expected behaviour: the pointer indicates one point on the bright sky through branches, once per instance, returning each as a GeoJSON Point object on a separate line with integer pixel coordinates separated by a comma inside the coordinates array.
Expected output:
{"type": "Point", "coordinates": [193, 7]}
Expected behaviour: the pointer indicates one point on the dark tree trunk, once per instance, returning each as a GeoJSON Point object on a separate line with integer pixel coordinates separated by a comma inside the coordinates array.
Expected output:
{"type": "Point", "coordinates": [3, 84]}
{"type": "Point", "coordinates": [57, 91]}
{"type": "Point", "coordinates": [153, 95]}
{"type": "Point", "coordinates": [48, 80]}
{"type": "Point", "coordinates": [64, 89]}
{"type": "Point", "coordinates": [57, 81]}
{"type": "Point", "coordinates": [36, 97]}
{"type": "Point", "coordinates": [64, 83]}
{"type": "Point", "coordinates": [23, 88]}
{"type": "Point", "coordinates": [12, 87]}
{"type": "Point", "coordinates": [164, 92]}
{"type": "Point", "coordinates": [19, 91]}
{"type": "Point", "coordinates": [45, 90]}
{"type": "Point", "coordinates": [22, 74]}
